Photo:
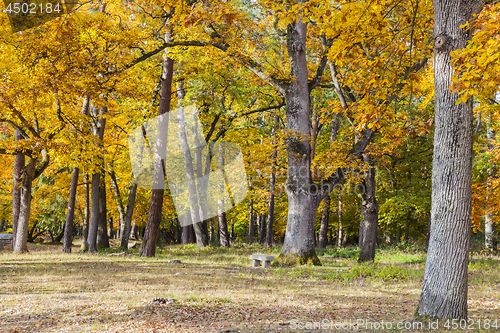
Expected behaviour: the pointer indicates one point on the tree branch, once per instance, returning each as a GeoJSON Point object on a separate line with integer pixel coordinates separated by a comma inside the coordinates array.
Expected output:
{"type": "Point", "coordinates": [319, 73]}
{"type": "Point", "coordinates": [15, 126]}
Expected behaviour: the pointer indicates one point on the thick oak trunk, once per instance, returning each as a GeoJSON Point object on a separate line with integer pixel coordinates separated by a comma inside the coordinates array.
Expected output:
{"type": "Point", "coordinates": [95, 211]}
{"type": "Point", "coordinates": [444, 291]}
{"type": "Point", "coordinates": [25, 207]}
{"type": "Point", "coordinates": [16, 190]}
{"type": "Point", "coordinates": [68, 230]}
{"type": "Point", "coordinates": [369, 223]}
{"type": "Point", "coordinates": [303, 200]}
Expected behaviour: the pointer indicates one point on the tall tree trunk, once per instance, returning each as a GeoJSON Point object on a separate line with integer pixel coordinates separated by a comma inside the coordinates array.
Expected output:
{"type": "Point", "coordinates": [251, 224]}
{"type": "Point", "coordinates": [16, 190]}
{"type": "Point", "coordinates": [94, 213]}
{"type": "Point", "coordinates": [270, 217]}
{"type": "Point", "coordinates": [188, 234]}
{"type": "Point", "coordinates": [262, 229]}
{"type": "Point", "coordinates": [339, 229]}
{"type": "Point", "coordinates": [489, 218]}
{"type": "Point", "coordinates": [125, 227]}
{"type": "Point", "coordinates": [111, 228]}
{"type": "Point", "coordinates": [117, 195]}
{"type": "Point", "coordinates": [86, 215]}
{"type": "Point", "coordinates": [68, 230]}
{"type": "Point", "coordinates": [102, 230]}
{"type": "Point", "coordinates": [325, 216]}
{"type": "Point", "coordinates": [407, 226]}
{"type": "Point", "coordinates": [370, 220]}
{"type": "Point", "coordinates": [231, 234]}
{"type": "Point", "coordinates": [200, 228]}
{"type": "Point", "coordinates": [25, 207]}
{"type": "Point", "coordinates": [361, 227]}
{"type": "Point", "coordinates": [155, 208]}
{"type": "Point", "coordinates": [134, 231]}
{"type": "Point", "coordinates": [346, 236]}
{"type": "Point", "coordinates": [224, 235]}
{"type": "Point", "coordinates": [302, 203]}
{"type": "Point", "coordinates": [444, 291]}
{"type": "Point", "coordinates": [272, 187]}
{"type": "Point", "coordinates": [96, 184]}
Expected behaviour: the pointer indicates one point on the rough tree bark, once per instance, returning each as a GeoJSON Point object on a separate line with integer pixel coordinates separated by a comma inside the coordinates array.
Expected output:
{"type": "Point", "coordinates": [25, 207]}
{"type": "Point", "coordinates": [19, 162]}
{"type": "Point", "coordinates": [86, 215]}
{"type": "Point", "coordinates": [155, 208]}
{"type": "Point", "coordinates": [31, 171]}
{"type": "Point", "coordinates": [262, 229]}
{"type": "Point", "coordinates": [325, 216]}
{"type": "Point", "coordinates": [370, 220]}
{"type": "Point", "coordinates": [102, 227]}
{"type": "Point", "coordinates": [96, 184]}
{"type": "Point", "coordinates": [252, 217]}
{"type": "Point", "coordinates": [188, 235]}
{"type": "Point", "coordinates": [68, 230]}
{"type": "Point", "coordinates": [126, 225]}
{"type": "Point", "coordinates": [489, 218]}
{"type": "Point", "coordinates": [223, 233]}
{"type": "Point", "coordinates": [444, 291]}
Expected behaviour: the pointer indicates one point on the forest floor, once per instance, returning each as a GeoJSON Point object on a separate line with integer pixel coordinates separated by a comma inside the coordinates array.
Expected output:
{"type": "Point", "coordinates": [216, 290]}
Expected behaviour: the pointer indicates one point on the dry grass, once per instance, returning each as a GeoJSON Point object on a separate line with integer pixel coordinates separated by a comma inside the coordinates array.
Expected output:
{"type": "Point", "coordinates": [215, 290]}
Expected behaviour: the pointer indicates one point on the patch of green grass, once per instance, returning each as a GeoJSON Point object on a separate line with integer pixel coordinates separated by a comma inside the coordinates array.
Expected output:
{"type": "Point", "coordinates": [484, 263]}
{"type": "Point", "coordinates": [404, 252]}
{"type": "Point", "coordinates": [395, 273]}
{"type": "Point", "coordinates": [347, 252]}
{"type": "Point", "coordinates": [374, 272]}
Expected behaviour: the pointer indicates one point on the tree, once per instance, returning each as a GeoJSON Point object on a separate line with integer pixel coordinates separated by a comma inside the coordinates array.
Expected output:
{"type": "Point", "coordinates": [445, 286]}
{"type": "Point", "coordinates": [16, 190]}
{"type": "Point", "coordinates": [68, 230]}
{"type": "Point", "coordinates": [155, 210]}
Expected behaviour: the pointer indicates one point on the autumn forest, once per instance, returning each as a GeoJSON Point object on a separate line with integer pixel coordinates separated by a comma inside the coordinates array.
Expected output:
{"type": "Point", "coordinates": [353, 141]}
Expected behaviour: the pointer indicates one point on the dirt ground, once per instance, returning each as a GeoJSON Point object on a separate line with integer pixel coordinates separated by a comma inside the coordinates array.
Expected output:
{"type": "Point", "coordinates": [217, 290]}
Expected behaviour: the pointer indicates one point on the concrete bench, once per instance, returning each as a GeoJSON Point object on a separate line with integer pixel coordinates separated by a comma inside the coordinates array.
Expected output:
{"type": "Point", "coordinates": [5, 240]}
{"type": "Point", "coordinates": [257, 258]}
